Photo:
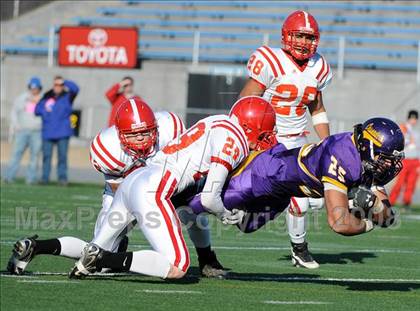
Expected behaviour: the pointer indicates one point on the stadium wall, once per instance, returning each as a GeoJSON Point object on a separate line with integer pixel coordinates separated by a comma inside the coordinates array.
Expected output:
{"type": "Point", "coordinates": [361, 94]}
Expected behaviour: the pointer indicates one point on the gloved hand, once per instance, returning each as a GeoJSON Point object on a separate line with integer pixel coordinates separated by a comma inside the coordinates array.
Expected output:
{"type": "Point", "coordinates": [233, 218]}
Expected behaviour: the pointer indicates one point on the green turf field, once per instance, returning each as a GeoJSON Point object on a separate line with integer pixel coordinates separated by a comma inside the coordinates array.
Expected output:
{"type": "Point", "coordinates": [376, 271]}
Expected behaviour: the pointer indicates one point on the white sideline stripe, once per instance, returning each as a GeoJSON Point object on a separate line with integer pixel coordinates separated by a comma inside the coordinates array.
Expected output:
{"type": "Point", "coordinates": [275, 248]}
{"type": "Point", "coordinates": [412, 217]}
{"type": "Point", "coordinates": [34, 274]}
{"type": "Point", "coordinates": [279, 278]}
{"type": "Point", "coordinates": [157, 291]}
{"type": "Point", "coordinates": [47, 281]}
{"type": "Point", "coordinates": [299, 278]}
{"type": "Point", "coordinates": [277, 302]}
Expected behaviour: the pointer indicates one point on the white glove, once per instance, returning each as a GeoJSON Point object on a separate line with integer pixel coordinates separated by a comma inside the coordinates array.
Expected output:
{"type": "Point", "coordinates": [235, 217]}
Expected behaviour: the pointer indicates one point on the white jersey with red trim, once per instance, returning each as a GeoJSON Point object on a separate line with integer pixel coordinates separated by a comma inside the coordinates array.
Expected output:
{"type": "Point", "coordinates": [108, 156]}
{"type": "Point", "coordinates": [214, 139]}
{"type": "Point", "coordinates": [288, 87]}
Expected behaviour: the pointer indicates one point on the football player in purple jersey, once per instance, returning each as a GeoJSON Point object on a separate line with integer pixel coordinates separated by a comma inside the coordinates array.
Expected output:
{"type": "Point", "coordinates": [344, 166]}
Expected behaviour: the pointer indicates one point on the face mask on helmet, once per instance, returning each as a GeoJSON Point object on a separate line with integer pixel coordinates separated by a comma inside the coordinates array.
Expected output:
{"type": "Point", "coordinates": [139, 144]}
{"type": "Point", "coordinates": [301, 45]}
{"type": "Point", "coordinates": [137, 128]}
{"type": "Point", "coordinates": [381, 156]}
{"type": "Point", "coordinates": [300, 35]}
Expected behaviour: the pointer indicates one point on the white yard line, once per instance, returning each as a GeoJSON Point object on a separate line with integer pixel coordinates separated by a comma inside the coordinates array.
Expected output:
{"type": "Point", "coordinates": [278, 302]}
{"type": "Point", "coordinates": [309, 279]}
{"type": "Point", "coordinates": [157, 291]}
{"type": "Point", "coordinates": [275, 248]}
{"type": "Point", "coordinates": [48, 281]}
{"type": "Point", "coordinates": [238, 277]}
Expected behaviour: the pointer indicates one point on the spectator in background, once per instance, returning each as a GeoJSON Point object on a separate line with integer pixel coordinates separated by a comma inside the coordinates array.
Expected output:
{"type": "Point", "coordinates": [117, 94]}
{"type": "Point", "coordinates": [26, 128]}
{"type": "Point", "coordinates": [55, 109]}
{"type": "Point", "coordinates": [411, 164]}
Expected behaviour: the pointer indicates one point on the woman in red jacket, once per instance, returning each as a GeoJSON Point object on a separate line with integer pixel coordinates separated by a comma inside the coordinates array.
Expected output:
{"type": "Point", "coordinates": [117, 94]}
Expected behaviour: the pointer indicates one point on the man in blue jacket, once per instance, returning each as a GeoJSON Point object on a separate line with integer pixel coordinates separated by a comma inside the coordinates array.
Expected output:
{"type": "Point", "coordinates": [55, 109]}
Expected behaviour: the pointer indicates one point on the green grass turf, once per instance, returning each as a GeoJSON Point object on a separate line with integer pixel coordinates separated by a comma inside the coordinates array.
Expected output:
{"type": "Point", "coordinates": [258, 275]}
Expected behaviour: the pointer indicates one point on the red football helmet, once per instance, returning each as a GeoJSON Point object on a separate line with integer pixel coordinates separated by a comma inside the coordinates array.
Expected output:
{"type": "Point", "coordinates": [257, 118]}
{"type": "Point", "coordinates": [134, 117]}
{"type": "Point", "coordinates": [300, 22]}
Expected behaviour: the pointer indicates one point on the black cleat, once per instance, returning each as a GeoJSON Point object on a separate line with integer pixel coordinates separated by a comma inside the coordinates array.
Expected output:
{"type": "Point", "coordinates": [22, 254]}
{"type": "Point", "coordinates": [87, 263]}
{"type": "Point", "coordinates": [210, 267]}
{"type": "Point", "coordinates": [301, 256]}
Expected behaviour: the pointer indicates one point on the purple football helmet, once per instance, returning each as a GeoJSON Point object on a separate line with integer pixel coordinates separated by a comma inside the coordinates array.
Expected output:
{"type": "Point", "coordinates": [381, 146]}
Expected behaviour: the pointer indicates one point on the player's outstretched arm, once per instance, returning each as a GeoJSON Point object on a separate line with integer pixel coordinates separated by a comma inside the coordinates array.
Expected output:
{"type": "Point", "coordinates": [339, 217]}
{"type": "Point", "coordinates": [211, 195]}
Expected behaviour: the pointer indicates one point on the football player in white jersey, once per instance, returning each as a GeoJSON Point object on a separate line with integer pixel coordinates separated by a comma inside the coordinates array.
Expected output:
{"type": "Point", "coordinates": [115, 152]}
{"type": "Point", "coordinates": [214, 146]}
{"type": "Point", "coordinates": [292, 79]}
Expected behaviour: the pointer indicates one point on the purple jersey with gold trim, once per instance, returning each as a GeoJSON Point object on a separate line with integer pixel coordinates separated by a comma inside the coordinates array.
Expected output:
{"type": "Point", "coordinates": [267, 180]}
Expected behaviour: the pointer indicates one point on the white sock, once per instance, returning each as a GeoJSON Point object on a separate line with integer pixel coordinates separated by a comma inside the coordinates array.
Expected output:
{"type": "Point", "coordinates": [71, 247]}
{"type": "Point", "coordinates": [296, 228]}
{"type": "Point", "coordinates": [150, 263]}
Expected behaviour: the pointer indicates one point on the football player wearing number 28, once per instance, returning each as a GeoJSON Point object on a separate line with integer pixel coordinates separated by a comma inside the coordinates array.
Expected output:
{"type": "Point", "coordinates": [292, 79]}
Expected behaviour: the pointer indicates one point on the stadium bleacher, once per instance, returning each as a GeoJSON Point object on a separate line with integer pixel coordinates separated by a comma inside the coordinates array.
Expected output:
{"type": "Point", "coordinates": [375, 36]}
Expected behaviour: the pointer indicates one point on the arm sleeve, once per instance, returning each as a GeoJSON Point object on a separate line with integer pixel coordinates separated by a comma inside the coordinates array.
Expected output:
{"type": "Point", "coordinates": [112, 93]}
{"type": "Point", "coordinates": [211, 195]}
{"type": "Point", "coordinates": [72, 87]}
{"type": "Point", "coordinates": [259, 69]}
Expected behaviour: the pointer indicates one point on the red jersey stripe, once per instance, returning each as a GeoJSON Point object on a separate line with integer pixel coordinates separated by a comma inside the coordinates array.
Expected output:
{"type": "Point", "coordinates": [168, 201]}
{"type": "Point", "coordinates": [238, 136]}
{"type": "Point", "coordinates": [181, 124]}
{"type": "Point", "coordinates": [275, 58]}
{"type": "Point", "coordinates": [238, 132]}
{"type": "Point", "coordinates": [322, 69]}
{"type": "Point", "coordinates": [166, 217]}
{"type": "Point", "coordinates": [175, 125]}
{"type": "Point", "coordinates": [110, 156]}
{"type": "Point", "coordinates": [269, 61]}
{"type": "Point", "coordinates": [221, 161]}
{"type": "Point", "coordinates": [325, 75]}
{"type": "Point", "coordinates": [99, 155]}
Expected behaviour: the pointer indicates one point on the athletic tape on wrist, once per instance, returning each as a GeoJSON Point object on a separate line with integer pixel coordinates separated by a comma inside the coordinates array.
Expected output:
{"type": "Point", "coordinates": [320, 118]}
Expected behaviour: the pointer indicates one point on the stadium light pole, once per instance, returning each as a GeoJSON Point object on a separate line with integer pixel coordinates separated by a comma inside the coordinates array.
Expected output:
{"type": "Point", "coordinates": [340, 60]}
{"type": "Point", "coordinates": [418, 62]}
{"type": "Point", "coordinates": [16, 8]}
{"type": "Point", "coordinates": [266, 39]}
{"type": "Point", "coordinates": [51, 46]}
{"type": "Point", "coordinates": [196, 48]}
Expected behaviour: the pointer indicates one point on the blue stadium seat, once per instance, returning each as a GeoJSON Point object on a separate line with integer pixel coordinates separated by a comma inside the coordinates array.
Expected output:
{"type": "Point", "coordinates": [243, 25]}
{"type": "Point", "coordinates": [349, 6]}
{"type": "Point", "coordinates": [257, 15]}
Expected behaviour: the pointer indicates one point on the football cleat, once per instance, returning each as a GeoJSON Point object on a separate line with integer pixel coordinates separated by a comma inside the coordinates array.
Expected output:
{"type": "Point", "coordinates": [301, 256]}
{"type": "Point", "coordinates": [210, 267]}
{"type": "Point", "coordinates": [87, 263]}
{"type": "Point", "coordinates": [22, 254]}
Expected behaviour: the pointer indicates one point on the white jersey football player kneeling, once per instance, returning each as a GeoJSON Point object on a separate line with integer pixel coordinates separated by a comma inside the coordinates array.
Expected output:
{"type": "Point", "coordinates": [116, 152]}
{"type": "Point", "coordinates": [214, 146]}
